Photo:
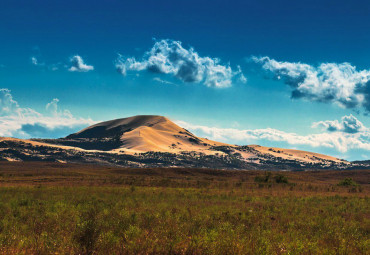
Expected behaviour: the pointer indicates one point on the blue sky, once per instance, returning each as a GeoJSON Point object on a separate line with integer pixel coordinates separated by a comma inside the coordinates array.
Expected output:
{"type": "Point", "coordinates": [40, 41]}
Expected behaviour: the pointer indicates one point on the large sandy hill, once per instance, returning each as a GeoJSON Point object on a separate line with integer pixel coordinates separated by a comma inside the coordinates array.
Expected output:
{"type": "Point", "coordinates": [144, 133]}
{"type": "Point", "coordinates": [152, 133]}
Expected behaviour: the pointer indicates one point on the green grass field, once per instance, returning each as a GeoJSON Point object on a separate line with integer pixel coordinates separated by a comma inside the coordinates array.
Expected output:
{"type": "Point", "coordinates": [73, 209]}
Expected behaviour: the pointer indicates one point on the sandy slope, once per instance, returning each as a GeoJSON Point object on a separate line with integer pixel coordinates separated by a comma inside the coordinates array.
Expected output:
{"type": "Point", "coordinates": [291, 154]}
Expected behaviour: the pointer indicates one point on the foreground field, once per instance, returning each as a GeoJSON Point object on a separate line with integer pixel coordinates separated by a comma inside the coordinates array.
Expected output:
{"type": "Point", "coordinates": [74, 209]}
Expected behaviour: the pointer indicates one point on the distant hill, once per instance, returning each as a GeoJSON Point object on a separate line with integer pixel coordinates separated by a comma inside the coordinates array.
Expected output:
{"type": "Point", "coordinates": [149, 140]}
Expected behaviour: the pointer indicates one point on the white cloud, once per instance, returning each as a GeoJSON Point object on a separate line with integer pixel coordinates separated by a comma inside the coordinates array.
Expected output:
{"type": "Point", "coordinates": [157, 79]}
{"type": "Point", "coordinates": [348, 124]}
{"type": "Point", "coordinates": [52, 67]}
{"type": "Point", "coordinates": [169, 57]}
{"type": "Point", "coordinates": [340, 141]}
{"type": "Point", "coordinates": [341, 83]}
{"type": "Point", "coordinates": [26, 123]}
{"type": "Point", "coordinates": [78, 65]}
{"type": "Point", "coordinates": [34, 61]}
{"type": "Point", "coordinates": [242, 78]}
{"type": "Point", "coordinates": [52, 107]}
{"type": "Point", "coordinates": [7, 104]}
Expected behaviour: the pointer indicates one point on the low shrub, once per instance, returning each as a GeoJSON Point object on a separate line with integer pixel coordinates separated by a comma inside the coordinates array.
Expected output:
{"type": "Point", "coordinates": [348, 182]}
{"type": "Point", "coordinates": [264, 178]}
{"type": "Point", "coordinates": [281, 178]}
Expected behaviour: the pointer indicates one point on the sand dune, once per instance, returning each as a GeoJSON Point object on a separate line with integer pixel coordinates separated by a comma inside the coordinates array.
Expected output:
{"type": "Point", "coordinates": [151, 133]}
{"type": "Point", "coordinates": [148, 133]}
{"type": "Point", "coordinates": [145, 133]}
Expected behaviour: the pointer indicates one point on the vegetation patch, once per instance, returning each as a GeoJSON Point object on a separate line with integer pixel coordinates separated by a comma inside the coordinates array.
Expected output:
{"type": "Point", "coordinates": [268, 178]}
{"type": "Point", "coordinates": [49, 208]}
{"type": "Point", "coordinates": [347, 182]}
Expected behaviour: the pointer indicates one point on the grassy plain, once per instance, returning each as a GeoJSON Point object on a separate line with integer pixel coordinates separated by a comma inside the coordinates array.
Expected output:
{"type": "Point", "coordinates": [49, 208]}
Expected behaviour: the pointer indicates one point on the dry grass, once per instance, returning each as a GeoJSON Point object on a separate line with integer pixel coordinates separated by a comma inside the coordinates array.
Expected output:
{"type": "Point", "coordinates": [49, 208]}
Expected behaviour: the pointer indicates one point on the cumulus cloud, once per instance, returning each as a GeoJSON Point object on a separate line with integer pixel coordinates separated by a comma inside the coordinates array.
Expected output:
{"type": "Point", "coordinates": [170, 57]}
{"type": "Point", "coordinates": [21, 122]}
{"type": "Point", "coordinates": [7, 104]}
{"type": "Point", "coordinates": [348, 124]}
{"type": "Point", "coordinates": [340, 141]}
{"type": "Point", "coordinates": [341, 84]}
{"type": "Point", "coordinates": [77, 65]}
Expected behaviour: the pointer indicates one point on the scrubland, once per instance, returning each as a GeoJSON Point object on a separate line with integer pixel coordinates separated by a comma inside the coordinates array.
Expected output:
{"type": "Point", "coordinates": [48, 208]}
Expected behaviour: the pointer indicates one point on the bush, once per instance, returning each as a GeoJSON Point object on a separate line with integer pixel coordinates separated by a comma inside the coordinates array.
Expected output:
{"type": "Point", "coordinates": [88, 231]}
{"type": "Point", "coordinates": [264, 178]}
{"type": "Point", "coordinates": [347, 182]}
{"type": "Point", "coordinates": [280, 178]}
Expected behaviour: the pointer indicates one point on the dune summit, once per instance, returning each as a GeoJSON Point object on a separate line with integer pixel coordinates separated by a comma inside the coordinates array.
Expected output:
{"type": "Point", "coordinates": [116, 127]}
{"type": "Point", "coordinates": [144, 133]}
{"type": "Point", "coordinates": [151, 140]}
